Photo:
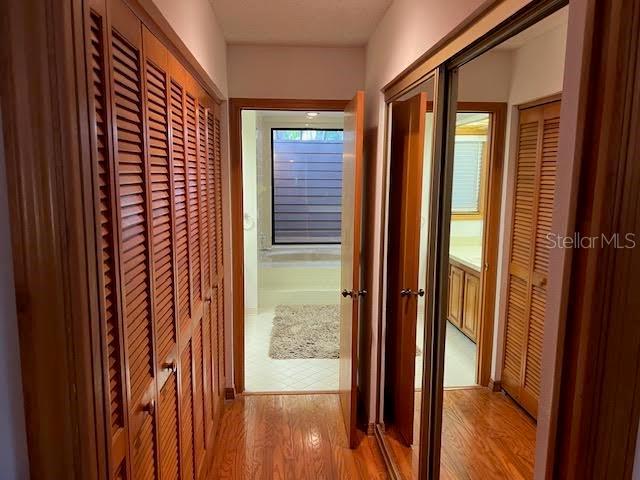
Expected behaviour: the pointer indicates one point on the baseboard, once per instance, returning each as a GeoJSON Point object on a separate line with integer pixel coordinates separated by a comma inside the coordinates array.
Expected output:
{"type": "Point", "coordinates": [495, 385]}
{"type": "Point", "coordinates": [229, 393]}
{"type": "Point", "coordinates": [371, 429]}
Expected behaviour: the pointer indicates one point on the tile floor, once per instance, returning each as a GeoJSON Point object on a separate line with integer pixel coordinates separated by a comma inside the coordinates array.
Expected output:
{"type": "Point", "coordinates": [459, 359]}
{"type": "Point", "coordinates": [266, 374]}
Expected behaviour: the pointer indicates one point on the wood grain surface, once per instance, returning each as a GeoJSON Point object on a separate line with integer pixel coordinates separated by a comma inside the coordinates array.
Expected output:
{"type": "Point", "coordinates": [291, 437]}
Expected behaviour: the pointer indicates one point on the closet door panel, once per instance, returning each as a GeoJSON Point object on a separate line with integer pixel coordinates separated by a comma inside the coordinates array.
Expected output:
{"type": "Point", "coordinates": [219, 246]}
{"type": "Point", "coordinates": [180, 201]}
{"type": "Point", "coordinates": [161, 191]}
{"type": "Point", "coordinates": [106, 238]}
{"type": "Point", "coordinates": [191, 140]}
{"type": "Point", "coordinates": [135, 254]}
{"type": "Point", "coordinates": [168, 430]}
{"type": "Point", "coordinates": [186, 414]}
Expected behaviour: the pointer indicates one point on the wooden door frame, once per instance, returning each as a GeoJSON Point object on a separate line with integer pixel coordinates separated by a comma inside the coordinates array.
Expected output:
{"type": "Point", "coordinates": [490, 233]}
{"type": "Point", "coordinates": [236, 106]}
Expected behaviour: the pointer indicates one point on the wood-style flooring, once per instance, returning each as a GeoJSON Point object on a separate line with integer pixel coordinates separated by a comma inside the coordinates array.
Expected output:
{"type": "Point", "coordinates": [485, 435]}
{"type": "Point", "coordinates": [291, 437]}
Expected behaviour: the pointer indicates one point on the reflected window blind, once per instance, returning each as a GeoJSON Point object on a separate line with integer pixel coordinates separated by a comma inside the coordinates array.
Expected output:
{"type": "Point", "coordinates": [467, 174]}
{"type": "Point", "coordinates": [307, 186]}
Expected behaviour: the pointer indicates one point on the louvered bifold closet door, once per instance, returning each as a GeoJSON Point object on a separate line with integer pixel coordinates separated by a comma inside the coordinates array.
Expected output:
{"type": "Point", "coordinates": [135, 236]}
{"type": "Point", "coordinates": [214, 374]}
{"type": "Point", "coordinates": [529, 257]}
{"type": "Point", "coordinates": [219, 243]}
{"type": "Point", "coordinates": [207, 361]}
{"type": "Point", "coordinates": [98, 82]}
{"type": "Point", "coordinates": [157, 94]}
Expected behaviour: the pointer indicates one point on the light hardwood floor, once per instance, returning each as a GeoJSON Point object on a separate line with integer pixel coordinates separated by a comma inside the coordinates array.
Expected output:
{"type": "Point", "coordinates": [290, 437]}
{"type": "Point", "coordinates": [485, 435]}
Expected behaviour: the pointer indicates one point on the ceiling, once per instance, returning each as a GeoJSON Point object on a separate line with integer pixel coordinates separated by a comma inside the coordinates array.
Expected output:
{"type": "Point", "coordinates": [339, 23]}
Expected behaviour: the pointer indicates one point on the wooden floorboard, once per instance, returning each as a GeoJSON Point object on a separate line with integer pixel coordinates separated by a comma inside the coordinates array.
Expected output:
{"type": "Point", "coordinates": [485, 435]}
{"type": "Point", "coordinates": [290, 437]}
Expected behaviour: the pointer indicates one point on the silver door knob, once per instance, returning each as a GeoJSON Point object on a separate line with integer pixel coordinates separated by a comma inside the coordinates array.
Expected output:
{"type": "Point", "coordinates": [348, 293]}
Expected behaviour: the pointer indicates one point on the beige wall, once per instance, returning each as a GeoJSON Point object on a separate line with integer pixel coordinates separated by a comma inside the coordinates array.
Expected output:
{"type": "Point", "coordinates": [295, 72]}
{"type": "Point", "coordinates": [195, 22]}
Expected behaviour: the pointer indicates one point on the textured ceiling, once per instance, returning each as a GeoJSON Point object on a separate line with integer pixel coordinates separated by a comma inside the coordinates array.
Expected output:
{"type": "Point", "coordinates": [299, 22]}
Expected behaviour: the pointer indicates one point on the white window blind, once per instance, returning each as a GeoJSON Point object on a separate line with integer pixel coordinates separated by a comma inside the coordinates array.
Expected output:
{"type": "Point", "coordinates": [307, 186]}
{"type": "Point", "coordinates": [467, 173]}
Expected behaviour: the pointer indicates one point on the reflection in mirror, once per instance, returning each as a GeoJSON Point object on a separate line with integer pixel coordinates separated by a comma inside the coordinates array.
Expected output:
{"type": "Point", "coordinates": [506, 133]}
{"type": "Point", "coordinates": [409, 186]}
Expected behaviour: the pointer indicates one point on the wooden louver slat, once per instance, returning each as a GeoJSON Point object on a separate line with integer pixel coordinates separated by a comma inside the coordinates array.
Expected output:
{"type": "Point", "coordinates": [180, 202]}
{"type": "Point", "coordinates": [133, 214]}
{"type": "Point", "coordinates": [204, 198]}
{"type": "Point", "coordinates": [161, 198]}
{"type": "Point", "coordinates": [168, 430]}
{"type": "Point", "coordinates": [186, 416]}
{"type": "Point", "coordinates": [193, 198]}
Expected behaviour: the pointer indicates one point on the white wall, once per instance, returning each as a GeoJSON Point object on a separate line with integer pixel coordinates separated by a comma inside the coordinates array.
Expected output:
{"type": "Point", "coordinates": [195, 23]}
{"type": "Point", "coordinates": [295, 72]}
{"type": "Point", "coordinates": [14, 464]}
{"type": "Point", "coordinates": [250, 208]}
{"type": "Point", "coordinates": [538, 70]}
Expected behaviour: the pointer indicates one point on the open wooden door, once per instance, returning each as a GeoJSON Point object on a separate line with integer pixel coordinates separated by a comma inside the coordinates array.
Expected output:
{"type": "Point", "coordinates": [352, 181]}
{"type": "Point", "coordinates": [407, 157]}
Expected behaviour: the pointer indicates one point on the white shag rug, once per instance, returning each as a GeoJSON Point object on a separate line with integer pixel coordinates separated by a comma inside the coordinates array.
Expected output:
{"type": "Point", "coordinates": [305, 331]}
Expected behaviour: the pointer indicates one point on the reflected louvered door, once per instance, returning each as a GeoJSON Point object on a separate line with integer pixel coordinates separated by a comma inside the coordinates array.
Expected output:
{"type": "Point", "coordinates": [158, 96]}
{"type": "Point", "coordinates": [106, 241]}
{"type": "Point", "coordinates": [132, 173]}
{"type": "Point", "coordinates": [529, 257]}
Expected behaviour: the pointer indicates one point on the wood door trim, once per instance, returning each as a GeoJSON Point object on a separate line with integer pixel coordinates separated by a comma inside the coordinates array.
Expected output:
{"type": "Point", "coordinates": [491, 232]}
{"type": "Point", "coordinates": [597, 349]}
{"type": "Point", "coordinates": [51, 236]}
{"type": "Point", "coordinates": [236, 105]}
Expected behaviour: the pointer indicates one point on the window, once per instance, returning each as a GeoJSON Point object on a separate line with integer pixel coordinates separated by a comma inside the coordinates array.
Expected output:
{"type": "Point", "coordinates": [469, 155]}
{"type": "Point", "coordinates": [467, 174]}
{"type": "Point", "coordinates": [307, 185]}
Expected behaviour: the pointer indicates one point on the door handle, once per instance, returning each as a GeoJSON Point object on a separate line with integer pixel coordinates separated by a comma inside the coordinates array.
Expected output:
{"type": "Point", "coordinates": [407, 292]}
{"type": "Point", "coordinates": [353, 293]}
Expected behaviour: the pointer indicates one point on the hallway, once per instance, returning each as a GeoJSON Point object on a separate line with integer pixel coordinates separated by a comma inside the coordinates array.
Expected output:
{"type": "Point", "coordinates": [290, 437]}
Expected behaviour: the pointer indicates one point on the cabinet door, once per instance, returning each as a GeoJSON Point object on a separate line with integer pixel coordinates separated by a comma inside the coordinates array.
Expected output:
{"type": "Point", "coordinates": [456, 286]}
{"type": "Point", "coordinates": [471, 306]}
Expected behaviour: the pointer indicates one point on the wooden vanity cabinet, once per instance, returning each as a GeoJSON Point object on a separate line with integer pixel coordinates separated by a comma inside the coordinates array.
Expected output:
{"type": "Point", "coordinates": [463, 305]}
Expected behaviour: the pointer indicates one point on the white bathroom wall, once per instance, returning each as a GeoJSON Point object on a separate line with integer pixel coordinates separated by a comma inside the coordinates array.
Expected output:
{"type": "Point", "coordinates": [250, 207]}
